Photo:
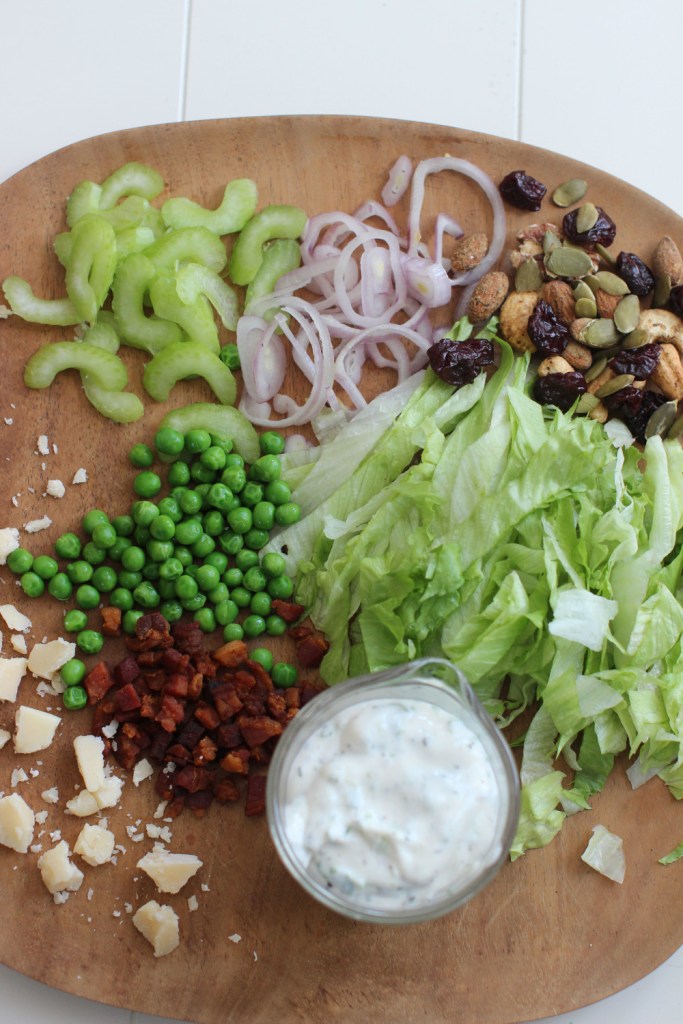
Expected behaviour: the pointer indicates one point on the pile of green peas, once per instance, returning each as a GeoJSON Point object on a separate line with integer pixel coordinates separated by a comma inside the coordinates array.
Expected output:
{"type": "Point", "coordinates": [194, 550]}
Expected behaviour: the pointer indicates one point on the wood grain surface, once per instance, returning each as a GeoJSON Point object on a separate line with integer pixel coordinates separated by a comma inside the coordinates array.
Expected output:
{"type": "Point", "coordinates": [549, 934]}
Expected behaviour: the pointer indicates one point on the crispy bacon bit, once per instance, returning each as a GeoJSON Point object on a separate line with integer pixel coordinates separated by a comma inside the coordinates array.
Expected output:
{"type": "Point", "coordinates": [199, 802]}
{"type": "Point", "coordinates": [126, 698]}
{"type": "Point", "coordinates": [231, 654]}
{"type": "Point", "coordinates": [226, 791]}
{"type": "Point", "coordinates": [98, 682]}
{"type": "Point", "coordinates": [111, 621]}
{"type": "Point", "coordinates": [236, 761]}
{"type": "Point", "coordinates": [205, 751]}
{"type": "Point", "coordinates": [150, 631]}
{"type": "Point", "coordinates": [207, 715]}
{"type": "Point", "coordinates": [311, 650]}
{"type": "Point", "coordinates": [258, 729]}
{"type": "Point", "coordinates": [288, 610]}
{"type": "Point", "coordinates": [193, 778]}
{"type": "Point", "coordinates": [256, 795]}
{"type": "Point", "coordinates": [127, 670]}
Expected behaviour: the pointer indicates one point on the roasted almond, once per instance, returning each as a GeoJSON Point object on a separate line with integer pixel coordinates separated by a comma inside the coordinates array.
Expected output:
{"type": "Point", "coordinates": [488, 296]}
{"type": "Point", "coordinates": [560, 296]}
{"type": "Point", "coordinates": [468, 252]}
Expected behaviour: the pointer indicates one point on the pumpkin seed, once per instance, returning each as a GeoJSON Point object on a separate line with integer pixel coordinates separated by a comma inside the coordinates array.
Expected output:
{"type": "Point", "coordinates": [662, 291]}
{"type": "Point", "coordinates": [622, 380]}
{"type": "Point", "coordinates": [592, 282]}
{"type": "Point", "coordinates": [662, 420]}
{"type": "Point", "coordinates": [567, 262]}
{"type": "Point", "coordinates": [627, 314]}
{"type": "Point", "coordinates": [582, 291]}
{"type": "Point", "coordinates": [586, 217]}
{"type": "Point", "coordinates": [550, 242]}
{"type": "Point", "coordinates": [600, 333]}
{"type": "Point", "coordinates": [586, 307]}
{"type": "Point", "coordinates": [528, 277]}
{"type": "Point", "coordinates": [605, 255]}
{"type": "Point", "coordinates": [636, 338]}
{"type": "Point", "coordinates": [586, 403]}
{"type": "Point", "coordinates": [676, 429]}
{"type": "Point", "coordinates": [596, 369]}
{"type": "Point", "coordinates": [569, 192]}
{"type": "Point", "coordinates": [611, 283]}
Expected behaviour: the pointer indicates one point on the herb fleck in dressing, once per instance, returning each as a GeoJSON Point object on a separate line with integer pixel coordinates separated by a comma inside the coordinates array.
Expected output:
{"type": "Point", "coordinates": [393, 802]}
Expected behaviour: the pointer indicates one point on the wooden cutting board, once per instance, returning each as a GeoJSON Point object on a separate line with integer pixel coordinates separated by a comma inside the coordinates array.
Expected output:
{"type": "Point", "coordinates": [549, 935]}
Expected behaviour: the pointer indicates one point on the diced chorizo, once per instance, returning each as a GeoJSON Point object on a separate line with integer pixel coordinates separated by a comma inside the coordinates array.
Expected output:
{"type": "Point", "coordinates": [199, 802]}
{"type": "Point", "coordinates": [277, 706]}
{"type": "Point", "coordinates": [232, 654]}
{"type": "Point", "coordinates": [228, 735]}
{"type": "Point", "coordinates": [264, 683]}
{"type": "Point", "coordinates": [195, 686]}
{"type": "Point", "coordinates": [311, 650]}
{"type": "Point", "coordinates": [126, 752]}
{"type": "Point", "coordinates": [176, 685]}
{"type": "Point", "coordinates": [98, 682]}
{"type": "Point", "coordinates": [127, 670]}
{"type": "Point", "coordinates": [226, 701]}
{"type": "Point", "coordinates": [193, 778]}
{"type": "Point", "coordinates": [188, 637]}
{"type": "Point", "coordinates": [149, 705]}
{"type": "Point", "coordinates": [178, 754]}
{"type": "Point", "coordinates": [170, 714]}
{"type": "Point", "coordinates": [207, 715]}
{"type": "Point", "coordinates": [149, 659]}
{"type": "Point", "coordinates": [111, 621]}
{"type": "Point", "coordinates": [236, 761]}
{"type": "Point", "coordinates": [288, 610]}
{"type": "Point", "coordinates": [191, 733]}
{"type": "Point", "coordinates": [174, 806]}
{"type": "Point", "coordinates": [258, 730]}
{"type": "Point", "coordinates": [127, 698]}
{"type": "Point", "coordinates": [226, 791]}
{"type": "Point", "coordinates": [256, 795]}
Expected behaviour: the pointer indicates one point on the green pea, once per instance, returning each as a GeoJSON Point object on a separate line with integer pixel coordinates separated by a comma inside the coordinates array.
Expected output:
{"type": "Point", "coordinates": [182, 554]}
{"type": "Point", "coordinates": [190, 502]}
{"type": "Point", "coordinates": [142, 536]}
{"type": "Point", "coordinates": [115, 552]}
{"type": "Point", "coordinates": [218, 560]}
{"type": "Point", "coordinates": [151, 570]}
{"type": "Point", "coordinates": [32, 584]}
{"type": "Point", "coordinates": [222, 442]}
{"type": "Point", "coordinates": [240, 520]}
{"type": "Point", "coordinates": [141, 455]}
{"type": "Point", "coordinates": [273, 564]}
{"type": "Point", "coordinates": [278, 492]}
{"type": "Point", "coordinates": [226, 612]}
{"type": "Point", "coordinates": [263, 657]}
{"type": "Point", "coordinates": [281, 587]}
{"type": "Point", "coordinates": [266, 469]}
{"type": "Point", "coordinates": [202, 474]}
{"type": "Point", "coordinates": [93, 554]}
{"type": "Point", "coordinates": [234, 459]}
{"type": "Point", "coordinates": [197, 441]}
{"type": "Point", "coordinates": [171, 508]}
{"type": "Point", "coordinates": [130, 619]}
{"type": "Point", "coordinates": [261, 604]}
{"type": "Point", "coordinates": [203, 546]}
{"type": "Point", "coordinates": [221, 497]}
{"type": "Point", "coordinates": [186, 587]}
{"type": "Point", "coordinates": [203, 491]}
{"type": "Point", "coordinates": [254, 625]}
{"type": "Point", "coordinates": [104, 536]}
{"type": "Point", "coordinates": [162, 528]}
{"type": "Point", "coordinates": [92, 519]}
{"type": "Point", "coordinates": [45, 567]}
{"type": "Point", "coordinates": [166, 589]}
{"type": "Point", "coordinates": [188, 532]}
{"type": "Point", "coordinates": [172, 611]}
{"type": "Point", "coordinates": [287, 514]}
{"type": "Point", "coordinates": [229, 354]}
{"type": "Point", "coordinates": [129, 580]}
{"type": "Point", "coordinates": [124, 525]}
{"type": "Point", "coordinates": [233, 577]}
{"type": "Point", "coordinates": [234, 477]}
{"type": "Point", "coordinates": [87, 597]}
{"type": "Point", "coordinates": [104, 579]}
{"type": "Point", "coordinates": [254, 579]}
{"type": "Point", "coordinates": [133, 559]}
{"type": "Point", "coordinates": [213, 458]}
{"type": "Point", "coordinates": [232, 631]}
{"type": "Point", "coordinates": [171, 569]}
{"type": "Point", "coordinates": [20, 560]}
{"type": "Point", "coordinates": [213, 523]}
{"type": "Point", "coordinates": [219, 593]}
{"type": "Point", "coordinates": [168, 441]}
{"type": "Point", "coordinates": [72, 672]}
{"type": "Point", "coordinates": [256, 539]}
{"type": "Point", "coordinates": [207, 577]}
{"type": "Point", "coordinates": [246, 560]}
{"type": "Point", "coordinates": [193, 604]}
{"type": "Point", "coordinates": [241, 597]}
{"type": "Point", "coordinates": [178, 474]}
{"type": "Point", "coordinates": [264, 515]}
{"type": "Point", "coordinates": [74, 698]}
{"type": "Point", "coordinates": [251, 494]}
{"type": "Point", "coordinates": [144, 512]}
{"type": "Point", "coordinates": [230, 542]}
{"type": "Point", "coordinates": [206, 620]}
{"type": "Point", "coordinates": [89, 641]}
{"type": "Point", "coordinates": [275, 626]}
{"type": "Point", "coordinates": [284, 674]}
{"type": "Point", "coordinates": [60, 587]}
{"type": "Point", "coordinates": [146, 595]}
{"type": "Point", "coordinates": [121, 598]}
{"type": "Point", "coordinates": [79, 572]}
{"type": "Point", "coordinates": [75, 621]}
{"type": "Point", "coordinates": [272, 443]}
{"type": "Point", "coordinates": [147, 484]}
{"type": "Point", "coordinates": [68, 546]}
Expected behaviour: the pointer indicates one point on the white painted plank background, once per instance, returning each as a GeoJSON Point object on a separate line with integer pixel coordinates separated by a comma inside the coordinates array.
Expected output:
{"type": "Point", "coordinates": [600, 80]}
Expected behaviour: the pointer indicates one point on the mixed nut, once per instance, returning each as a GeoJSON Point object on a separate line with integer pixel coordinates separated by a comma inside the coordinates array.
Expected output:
{"type": "Point", "coordinates": [608, 328]}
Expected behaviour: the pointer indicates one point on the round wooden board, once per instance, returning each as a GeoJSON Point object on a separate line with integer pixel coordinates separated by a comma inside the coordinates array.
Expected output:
{"type": "Point", "coordinates": [549, 935]}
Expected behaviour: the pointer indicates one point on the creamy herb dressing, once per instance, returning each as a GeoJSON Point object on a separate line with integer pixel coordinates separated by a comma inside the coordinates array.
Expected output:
{"type": "Point", "coordinates": [393, 802]}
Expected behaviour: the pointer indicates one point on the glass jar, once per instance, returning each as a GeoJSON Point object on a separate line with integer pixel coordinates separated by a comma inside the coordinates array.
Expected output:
{"type": "Point", "coordinates": [423, 710]}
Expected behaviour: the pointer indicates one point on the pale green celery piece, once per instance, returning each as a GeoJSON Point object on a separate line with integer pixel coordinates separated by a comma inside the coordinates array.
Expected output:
{"type": "Point", "coordinates": [222, 421]}
{"type": "Point", "coordinates": [675, 855]}
{"type": "Point", "coordinates": [132, 280]}
{"type": "Point", "coordinates": [120, 406]}
{"type": "Point", "coordinates": [188, 359]}
{"type": "Point", "coordinates": [195, 318]}
{"type": "Point", "coordinates": [22, 301]}
{"type": "Point", "coordinates": [134, 211]}
{"type": "Point", "coordinates": [91, 264]}
{"type": "Point", "coordinates": [131, 179]}
{"type": "Point", "coordinates": [270, 222]}
{"type": "Point", "coordinates": [279, 257]}
{"type": "Point", "coordinates": [102, 334]}
{"type": "Point", "coordinates": [106, 368]}
{"type": "Point", "coordinates": [237, 206]}
{"type": "Point", "coordinates": [188, 245]}
{"type": "Point", "coordinates": [62, 246]}
{"type": "Point", "coordinates": [131, 240]}
{"type": "Point", "coordinates": [84, 199]}
{"type": "Point", "coordinates": [194, 280]}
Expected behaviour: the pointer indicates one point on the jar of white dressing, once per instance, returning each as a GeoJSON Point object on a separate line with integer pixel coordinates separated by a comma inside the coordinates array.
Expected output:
{"type": "Point", "coordinates": [394, 798]}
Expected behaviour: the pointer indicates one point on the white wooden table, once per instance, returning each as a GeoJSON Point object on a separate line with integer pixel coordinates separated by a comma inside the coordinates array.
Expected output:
{"type": "Point", "coordinates": [600, 80]}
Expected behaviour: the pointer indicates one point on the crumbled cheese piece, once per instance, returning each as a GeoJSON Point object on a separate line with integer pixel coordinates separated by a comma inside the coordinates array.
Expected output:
{"type": "Point", "coordinates": [55, 488]}
{"type": "Point", "coordinates": [35, 730]}
{"type": "Point", "coordinates": [235, 938]}
{"type": "Point", "coordinates": [116, 913]}
{"type": "Point", "coordinates": [57, 871]}
{"type": "Point", "coordinates": [36, 848]}
{"type": "Point", "coordinates": [82, 805]}
{"type": "Point", "coordinates": [95, 844]}
{"type": "Point", "coordinates": [17, 822]}
{"type": "Point", "coordinates": [41, 817]}
{"type": "Point", "coordinates": [56, 835]}
{"type": "Point", "coordinates": [90, 757]}
{"type": "Point", "coordinates": [44, 689]}
{"type": "Point", "coordinates": [255, 955]}
{"type": "Point", "coordinates": [159, 925]}
{"type": "Point", "coordinates": [9, 542]}
{"type": "Point", "coordinates": [60, 897]}
{"type": "Point", "coordinates": [18, 775]}
{"type": "Point", "coordinates": [89, 894]}
{"type": "Point", "coordinates": [204, 887]}
{"type": "Point", "coordinates": [12, 671]}
{"type": "Point", "coordinates": [110, 730]}
{"type": "Point", "coordinates": [15, 500]}
{"type": "Point", "coordinates": [4, 737]}
{"type": "Point", "coordinates": [19, 643]}
{"type": "Point", "coordinates": [50, 796]}
{"type": "Point", "coordinates": [55, 449]}
{"type": "Point", "coordinates": [8, 419]}
{"type": "Point", "coordinates": [169, 871]}
{"type": "Point", "coordinates": [192, 903]}
{"type": "Point", "coordinates": [138, 838]}
{"type": "Point", "coordinates": [157, 832]}
{"type": "Point", "coordinates": [80, 477]}
{"type": "Point", "coordinates": [128, 907]}
{"type": "Point", "coordinates": [43, 445]}
{"type": "Point", "coordinates": [36, 525]}
{"type": "Point", "coordinates": [159, 813]}
{"type": "Point", "coordinates": [142, 770]}
{"type": "Point", "coordinates": [15, 619]}
{"type": "Point", "coordinates": [47, 659]}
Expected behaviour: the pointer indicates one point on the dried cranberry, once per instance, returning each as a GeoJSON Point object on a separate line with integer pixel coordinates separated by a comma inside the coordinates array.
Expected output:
{"type": "Point", "coordinates": [459, 362]}
{"type": "Point", "coordinates": [560, 389]}
{"type": "Point", "coordinates": [634, 406]}
{"type": "Point", "coordinates": [549, 334]}
{"type": "Point", "coordinates": [521, 190]}
{"type": "Point", "coordinates": [602, 232]}
{"type": "Point", "coordinates": [676, 299]}
{"type": "Point", "coordinates": [641, 362]}
{"type": "Point", "coordinates": [637, 275]}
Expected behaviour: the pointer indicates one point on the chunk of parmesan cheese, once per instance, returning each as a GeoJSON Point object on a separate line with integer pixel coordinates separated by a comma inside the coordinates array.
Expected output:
{"type": "Point", "coordinates": [50, 796]}
{"type": "Point", "coordinates": [34, 730]}
{"type": "Point", "coordinates": [19, 643]}
{"type": "Point", "coordinates": [159, 925]}
{"type": "Point", "coordinates": [142, 770]}
{"type": "Point", "coordinates": [9, 542]}
{"type": "Point", "coordinates": [80, 476]}
{"type": "Point", "coordinates": [90, 757]}
{"type": "Point", "coordinates": [95, 844]}
{"type": "Point", "coordinates": [57, 871]}
{"type": "Point", "coordinates": [82, 805]}
{"type": "Point", "coordinates": [47, 659]}
{"type": "Point", "coordinates": [55, 488]}
{"type": "Point", "coordinates": [12, 671]}
{"type": "Point", "coordinates": [36, 525]}
{"type": "Point", "coordinates": [17, 822]}
{"type": "Point", "coordinates": [5, 737]}
{"type": "Point", "coordinates": [14, 618]}
{"type": "Point", "coordinates": [169, 871]}
{"type": "Point", "coordinates": [43, 445]}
